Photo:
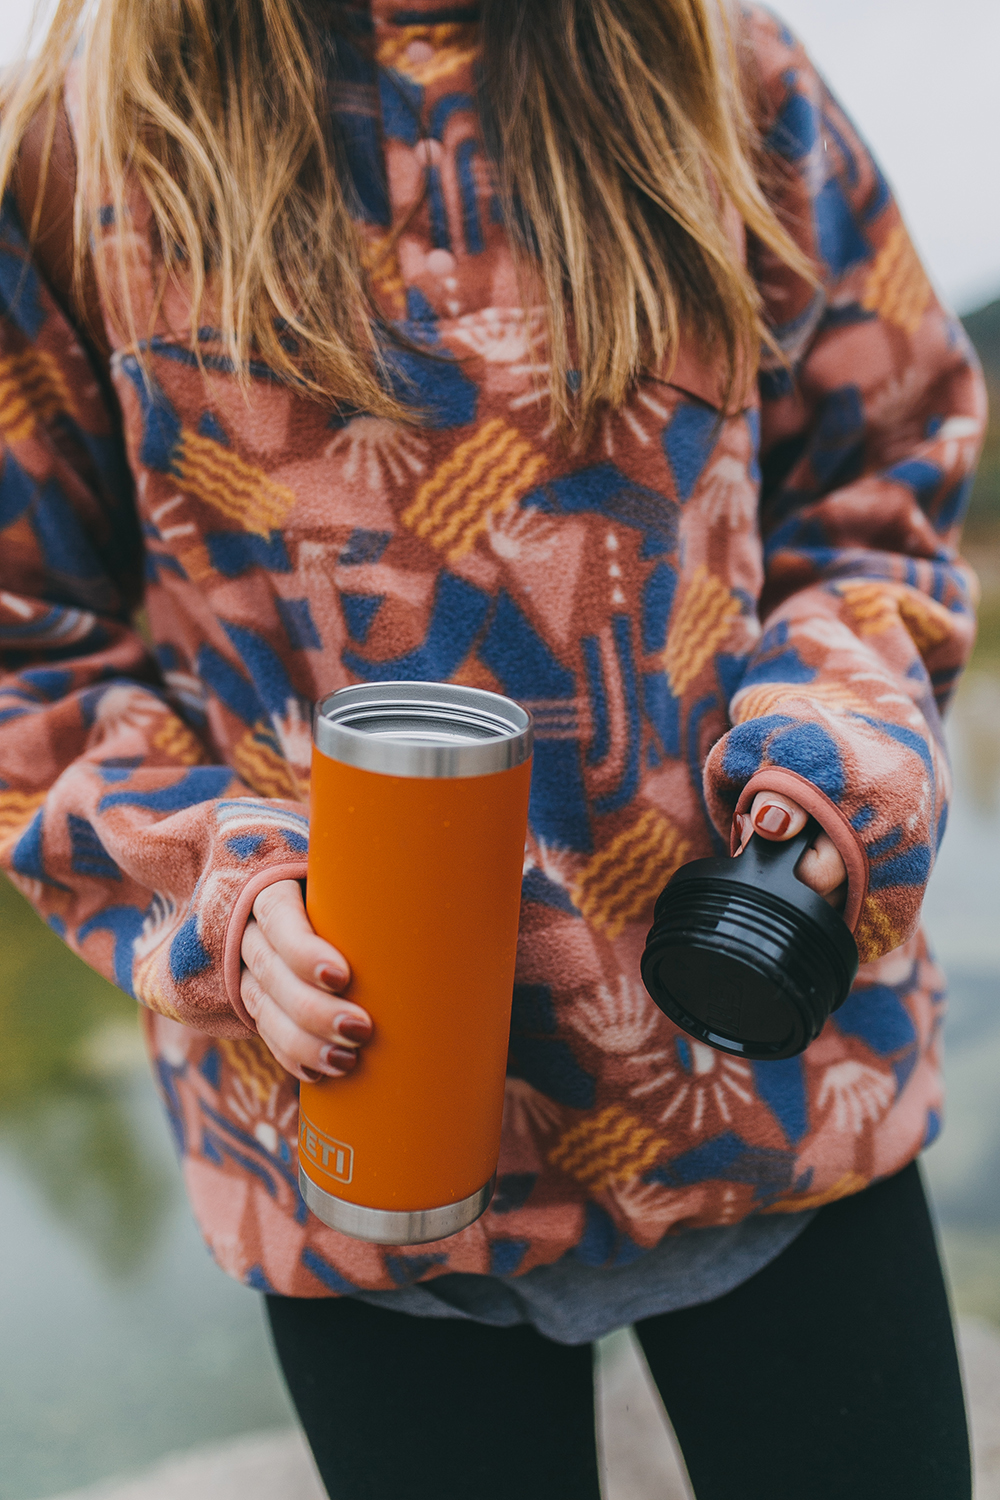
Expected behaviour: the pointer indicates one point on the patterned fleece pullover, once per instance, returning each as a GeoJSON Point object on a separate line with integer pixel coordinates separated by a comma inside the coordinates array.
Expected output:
{"type": "Point", "coordinates": [693, 604]}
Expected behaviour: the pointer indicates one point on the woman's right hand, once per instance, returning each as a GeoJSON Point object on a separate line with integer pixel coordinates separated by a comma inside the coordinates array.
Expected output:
{"type": "Point", "coordinates": [291, 986]}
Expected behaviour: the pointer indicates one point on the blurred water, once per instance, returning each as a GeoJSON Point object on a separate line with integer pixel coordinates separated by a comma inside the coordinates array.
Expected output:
{"type": "Point", "coordinates": [963, 918]}
{"type": "Point", "coordinates": [120, 1340]}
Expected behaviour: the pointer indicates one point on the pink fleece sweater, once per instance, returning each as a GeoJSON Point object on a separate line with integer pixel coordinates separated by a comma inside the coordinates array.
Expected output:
{"type": "Point", "coordinates": [693, 604]}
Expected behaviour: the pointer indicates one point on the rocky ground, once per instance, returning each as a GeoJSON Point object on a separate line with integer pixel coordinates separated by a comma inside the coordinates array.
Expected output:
{"type": "Point", "coordinates": [640, 1460]}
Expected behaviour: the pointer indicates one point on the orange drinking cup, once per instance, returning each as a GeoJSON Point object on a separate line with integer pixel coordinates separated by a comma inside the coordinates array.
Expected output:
{"type": "Point", "coordinates": [418, 819]}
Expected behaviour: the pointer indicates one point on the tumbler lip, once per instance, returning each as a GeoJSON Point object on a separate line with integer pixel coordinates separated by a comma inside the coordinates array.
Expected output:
{"type": "Point", "coordinates": [422, 729]}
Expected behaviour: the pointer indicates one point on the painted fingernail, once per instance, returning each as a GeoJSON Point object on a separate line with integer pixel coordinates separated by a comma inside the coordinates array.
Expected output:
{"type": "Point", "coordinates": [330, 977]}
{"type": "Point", "coordinates": [352, 1028]}
{"type": "Point", "coordinates": [773, 819]}
{"type": "Point", "coordinates": [337, 1060]}
{"type": "Point", "coordinates": [310, 1075]}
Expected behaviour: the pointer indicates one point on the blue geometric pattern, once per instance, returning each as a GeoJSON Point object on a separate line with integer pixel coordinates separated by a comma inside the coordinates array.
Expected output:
{"type": "Point", "coordinates": [688, 440]}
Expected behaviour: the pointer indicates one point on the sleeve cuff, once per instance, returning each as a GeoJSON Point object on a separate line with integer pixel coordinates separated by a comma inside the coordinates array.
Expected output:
{"type": "Point", "coordinates": [830, 818]}
{"type": "Point", "coordinates": [232, 961]}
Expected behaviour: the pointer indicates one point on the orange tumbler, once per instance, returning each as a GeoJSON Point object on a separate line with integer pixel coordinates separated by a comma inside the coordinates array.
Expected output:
{"type": "Point", "coordinates": [418, 820]}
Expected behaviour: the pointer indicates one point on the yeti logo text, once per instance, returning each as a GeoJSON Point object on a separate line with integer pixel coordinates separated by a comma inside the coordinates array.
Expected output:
{"type": "Point", "coordinates": [332, 1157]}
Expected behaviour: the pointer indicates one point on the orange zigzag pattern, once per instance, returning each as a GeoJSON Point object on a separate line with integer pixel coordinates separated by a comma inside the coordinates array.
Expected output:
{"type": "Point", "coordinates": [844, 1187]}
{"type": "Point", "coordinates": [380, 258]}
{"type": "Point", "coordinates": [449, 52]}
{"type": "Point", "coordinates": [878, 607]}
{"type": "Point", "coordinates": [622, 879]}
{"type": "Point", "coordinates": [16, 811]}
{"type": "Point", "coordinates": [700, 626]}
{"type": "Point", "coordinates": [759, 701]}
{"type": "Point", "coordinates": [33, 389]}
{"type": "Point", "coordinates": [241, 491]}
{"type": "Point", "coordinates": [611, 1147]}
{"type": "Point", "coordinates": [875, 933]}
{"type": "Point", "coordinates": [482, 476]}
{"type": "Point", "coordinates": [897, 287]}
{"type": "Point", "coordinates": [251, 1061]}
{"type": "Point", "coordinates": [263, 769]}
{"type": "Point", "coordinates": [177, 741]}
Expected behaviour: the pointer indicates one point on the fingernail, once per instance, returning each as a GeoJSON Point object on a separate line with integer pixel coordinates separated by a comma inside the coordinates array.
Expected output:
{"type": "Point", "coordinates": [773, 819]}
{"type": "Point", "coordinates": [331, 978]}
{"type": "Point", "coordinates": [337, 1060]}
{"type": "Point", "coordinates": [310, 1075]}
{"type": "Point", "coordinates": [352, 1028]}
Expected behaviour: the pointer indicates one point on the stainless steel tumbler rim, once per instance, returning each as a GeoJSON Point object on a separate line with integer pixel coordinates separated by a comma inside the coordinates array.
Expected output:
{"type": "Point", "coordinates": [386, 1227]}
{"type": "Point", "coordinates": [423, 729]}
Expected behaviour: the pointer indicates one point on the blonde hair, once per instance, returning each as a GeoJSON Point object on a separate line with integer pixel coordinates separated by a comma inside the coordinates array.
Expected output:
{"type": "Point", "coordinates": [618, 129]}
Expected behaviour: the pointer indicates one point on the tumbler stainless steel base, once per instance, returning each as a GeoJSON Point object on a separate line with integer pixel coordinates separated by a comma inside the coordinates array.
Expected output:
{"type": "Point", "coordinates": [384, 1227]}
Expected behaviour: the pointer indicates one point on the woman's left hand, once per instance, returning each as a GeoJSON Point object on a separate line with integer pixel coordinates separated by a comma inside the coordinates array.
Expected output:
{"type": "Point", "coordinates": [779, 819]}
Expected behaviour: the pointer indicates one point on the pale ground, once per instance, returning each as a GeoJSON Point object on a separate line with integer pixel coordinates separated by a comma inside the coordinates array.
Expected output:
{"type": "Point", "coordinates": [639, 1455]}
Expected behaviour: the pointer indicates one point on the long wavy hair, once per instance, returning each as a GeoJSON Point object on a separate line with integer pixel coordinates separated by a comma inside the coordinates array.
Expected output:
{"type": "Point", "coordinates": [620, 137]}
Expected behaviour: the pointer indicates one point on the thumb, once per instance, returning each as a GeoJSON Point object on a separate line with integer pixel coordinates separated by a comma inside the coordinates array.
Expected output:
{"type": "Point", "coordinates": [776, 817]}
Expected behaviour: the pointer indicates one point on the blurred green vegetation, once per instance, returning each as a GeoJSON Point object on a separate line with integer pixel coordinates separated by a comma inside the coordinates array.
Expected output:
{"type": "Point", "coordinates": [983, 524]}
{"type": "Point", "coordinates": [69, 1050]}
{"type": "Point", "coordinates": [987, 651]}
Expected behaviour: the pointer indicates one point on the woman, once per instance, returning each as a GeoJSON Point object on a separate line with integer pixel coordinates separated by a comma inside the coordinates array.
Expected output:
{"type": "Point", "coordinates": [424, 344]}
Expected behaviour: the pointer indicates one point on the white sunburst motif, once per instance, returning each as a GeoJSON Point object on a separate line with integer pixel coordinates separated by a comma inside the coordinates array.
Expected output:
{"type": "Point", "coordinates": [855, 1094]}
{"type": "Point", "coordinates": [503, 336]}
{"type": "Point", "coordinates": [160, 918]}
{"type": "Point", "coordinates": [621, 1020]}
{"type": "Point", "coordinates": [130, 706]}
{"type": "Point", "coordinates": [647, 1203]}
{"type": "Point", "coordinates": [891, 698]}
{"type": "Point", "coordinates": [294, 733]}
{"type": "Point", "coordinates": [537, 395]}
{"type": "Point", "coordinates": [373, 447]}
{"type": "Point", "coordinates": [642, 414]}
{"type": "Point", "coordinates": [555, 864]}
{"type": "Point", "coordinates": [834, 635]}
{"type": "Point", "coordinates": [267, 1120]}
{"type": "Point", "coordinates": [531, 364]}
{"type": "Point", "coordinates": [171, 1040]}
{"type": "Point", "coordinates": [711, 1084]}
{"type": "Point", "coordinates": [730, 1205]}
{"type": "Point", "coordinates": [31, 889]}
{"type": "Point", "coordinates": [317, 557]}
{"type": "Point", "coordinates": [526, 1112]}
{"type": "Point", "coordinates": [959, 439]}
{"type": "Point", "coordinates": [728, 496]}
{"type": "Point", "coordinates": [522, 535]}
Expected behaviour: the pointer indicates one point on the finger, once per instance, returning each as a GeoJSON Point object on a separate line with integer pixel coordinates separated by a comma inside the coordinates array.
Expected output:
{"type": "Point", "coordinates": [281, 912]}
{"type": "Point", "coordinates": [822, 869]}
{"type": "Point", "coordinates": [328, 1017]}
{"type": "Point", "coordinates": [298, 1052]}
{"type": "Point", "coordinates": [776, 817]}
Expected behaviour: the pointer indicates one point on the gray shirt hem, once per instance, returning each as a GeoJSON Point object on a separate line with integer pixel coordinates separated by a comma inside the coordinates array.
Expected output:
{"type": "Point", "coordinates": [574, 1303]}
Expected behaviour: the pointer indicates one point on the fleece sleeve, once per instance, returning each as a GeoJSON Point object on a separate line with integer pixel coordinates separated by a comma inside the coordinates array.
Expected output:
{"type": "Point", "coordinates": [871, 423]}
{"type": "Point", "coordinates": [114, 821]}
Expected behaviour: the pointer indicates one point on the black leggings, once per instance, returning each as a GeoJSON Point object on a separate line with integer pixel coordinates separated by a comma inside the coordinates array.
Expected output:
{"type": "Point", "coordinates": [830, 1375]}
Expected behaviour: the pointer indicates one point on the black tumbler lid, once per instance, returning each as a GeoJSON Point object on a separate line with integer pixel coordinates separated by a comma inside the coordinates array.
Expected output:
{"type": "Point", "coordinates": [745, 957]}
